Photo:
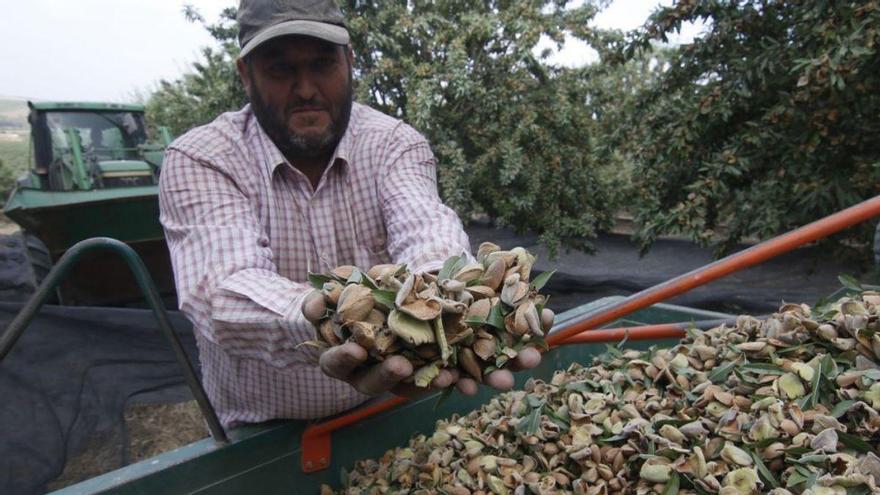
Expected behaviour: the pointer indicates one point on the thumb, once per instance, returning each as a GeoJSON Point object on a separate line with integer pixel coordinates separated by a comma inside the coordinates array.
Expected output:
{"type": "Point", "coordinates": [313, 306]}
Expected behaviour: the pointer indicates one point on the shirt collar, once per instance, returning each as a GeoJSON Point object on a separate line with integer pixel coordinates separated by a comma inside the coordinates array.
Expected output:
{"type": "Point", "coordinates": [274, 158]}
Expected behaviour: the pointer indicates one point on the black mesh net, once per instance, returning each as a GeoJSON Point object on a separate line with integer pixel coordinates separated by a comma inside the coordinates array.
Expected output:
{"type": "Point", "coordinates": [68, 380]}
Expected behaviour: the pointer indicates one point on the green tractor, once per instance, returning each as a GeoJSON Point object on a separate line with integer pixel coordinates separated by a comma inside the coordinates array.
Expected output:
{"type": "Point", "coordinates": [93, 173]}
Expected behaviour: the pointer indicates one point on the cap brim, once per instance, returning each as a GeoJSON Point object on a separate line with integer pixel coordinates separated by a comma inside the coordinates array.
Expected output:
{"type": "Point", "coordinates": [322, 30]}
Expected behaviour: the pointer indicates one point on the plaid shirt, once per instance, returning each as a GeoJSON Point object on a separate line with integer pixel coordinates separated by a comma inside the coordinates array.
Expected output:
{"type": "Point", "coordinates": [244, 228]}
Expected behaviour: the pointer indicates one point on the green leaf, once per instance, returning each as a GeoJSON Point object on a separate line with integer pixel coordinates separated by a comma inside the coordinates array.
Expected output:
{"type": "Point", "coordinates": [765, 473]}
{"type": "Point", "coordinates": [611, 439]}
{"type": "Point", "coordinates": [763, 369]}
{"type": "Point", "coordinates": [564, 423]}
{"type": "Point", "coordinates": [814, 386]}
{"type": "Point", "coordinates": [579, 387]}
{"type": "Point", "coordinates": [858, 490]}
{"type": "Point", "coordinates": [613, 351]}
{"type": "Point", "coordinates": [385, 297]}
{"type": "Point", "coordinates": [355, 278]}
{"type": "Point", "coordinates": [796, 451]}
{"type": "Point", "coordinates": [763, 443]}
{"type": "Point", "coordinates": [811, 479]}
{"type": "Point", "coordinates": [671, 487]}
{"type": "Point", "coordinates": [719, 373]}
{"type": "Point", "coordinates": [801, 348]}
{"type": "Point", "coordinates": [317, 280]}
{"type": "Point", "coordinates": [854, 442]}
{"type": "Point", "coordinates": [400, 270]}
{"type": "Point", "coordinates": [369, 282]}
{"type": "Point", "coordinates": [541, 280]}
{"type": "Point", "coordinates": [475, 321]}
{"type": "Point", "coordinates": [850, 282]}
{"type": "Point", "coordinates": [795, 479]}
{"type": "Point", "coordinates": [448, 266]}
{"type": "Point", "coordinates": [496, 317]}
{"type": "Point", "coordinates": [841, 408]}
{"type": "Point", "coordinates": [689, 483]}
{"type": "Point", "coordinates": [803, 401]}
{"type": "Point", "coordinates": [533, 421]}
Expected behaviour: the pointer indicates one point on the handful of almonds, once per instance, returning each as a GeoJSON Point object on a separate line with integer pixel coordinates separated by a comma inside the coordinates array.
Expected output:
{"type": "Point", "coordinates": [474, 315]}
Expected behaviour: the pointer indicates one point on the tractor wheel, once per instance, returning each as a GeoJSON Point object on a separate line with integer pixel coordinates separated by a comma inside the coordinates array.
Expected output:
{"type": "Point", "coordinates": [24, 263]}
{"type": "Point", "coordinates": [17, 281]}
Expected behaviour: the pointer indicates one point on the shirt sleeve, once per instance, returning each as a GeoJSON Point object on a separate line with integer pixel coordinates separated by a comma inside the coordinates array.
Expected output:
{"type": "Point", "coordinates": [224, 269]}
{"type": "Point", "coordinates": [422, 231]}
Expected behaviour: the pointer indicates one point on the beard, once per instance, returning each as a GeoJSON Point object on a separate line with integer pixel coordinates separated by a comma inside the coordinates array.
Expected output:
{"type": "Point", "coordinates": [292, 145]}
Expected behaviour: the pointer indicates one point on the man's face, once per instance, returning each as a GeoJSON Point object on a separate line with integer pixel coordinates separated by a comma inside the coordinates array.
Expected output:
{"type": "Point", "coordinates": [301, 93]}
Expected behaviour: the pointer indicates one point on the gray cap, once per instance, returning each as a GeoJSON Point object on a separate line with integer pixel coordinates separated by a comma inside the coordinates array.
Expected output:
{"type": "Point", "coordinates": [262, 20]}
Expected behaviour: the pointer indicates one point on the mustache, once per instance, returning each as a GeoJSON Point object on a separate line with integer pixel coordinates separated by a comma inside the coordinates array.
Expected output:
{"type": "Point", "coordinates": [310, 104]}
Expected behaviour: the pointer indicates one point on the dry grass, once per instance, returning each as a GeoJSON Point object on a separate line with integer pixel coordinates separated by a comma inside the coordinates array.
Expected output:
{"type": "Point", "coordinates": [152, 430]}
{"type": "Point", "coordinates": [157, 428]}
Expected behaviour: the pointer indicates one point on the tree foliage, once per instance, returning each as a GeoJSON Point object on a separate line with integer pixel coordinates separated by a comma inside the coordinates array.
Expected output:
{"type": "Point", "coordinates": [766, 122]}
{"type": "Point", "coordinates": [511, 133]}
{"type": "Point", "coordinates": [209, 89]}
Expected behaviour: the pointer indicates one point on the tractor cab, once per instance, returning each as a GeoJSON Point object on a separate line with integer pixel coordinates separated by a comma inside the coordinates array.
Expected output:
{"type": "Point", "coordinates": [93, 172]}
{"type": "Point", "coordinates": [87, 146]}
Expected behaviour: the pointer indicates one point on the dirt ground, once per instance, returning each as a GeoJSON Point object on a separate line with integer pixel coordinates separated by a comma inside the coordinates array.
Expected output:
{"type": "Point", "coordinates": [152, 430]}
{"type": "Point", "coordinates": [7, 226]}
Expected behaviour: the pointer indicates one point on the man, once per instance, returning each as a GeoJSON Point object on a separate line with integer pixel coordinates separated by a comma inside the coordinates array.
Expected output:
{"type": "Point", "coordinates": [300, 179]}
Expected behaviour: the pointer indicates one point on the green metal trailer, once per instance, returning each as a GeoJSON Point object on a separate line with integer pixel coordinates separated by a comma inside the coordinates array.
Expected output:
{"type": "Point", "coordinates": [267, 458]}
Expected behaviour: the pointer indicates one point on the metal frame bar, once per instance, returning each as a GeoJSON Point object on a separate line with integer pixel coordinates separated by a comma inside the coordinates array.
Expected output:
{"type": "Point", "coordinates": [151, 294]}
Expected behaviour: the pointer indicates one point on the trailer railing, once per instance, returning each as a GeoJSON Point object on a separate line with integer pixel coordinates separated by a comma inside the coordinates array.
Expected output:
{"type": "Point", "coordinates": [142, 277]}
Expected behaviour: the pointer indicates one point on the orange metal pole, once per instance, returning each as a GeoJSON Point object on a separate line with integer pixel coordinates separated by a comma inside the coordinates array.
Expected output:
{"type": "Point", "coordinates": [316, 440]}
{"type": "Point", "coordinates": [735, 262]}
{"type": "Point", "coordinates": [648, 332]}
{"type": "Point", "coordinates": [644, 332]}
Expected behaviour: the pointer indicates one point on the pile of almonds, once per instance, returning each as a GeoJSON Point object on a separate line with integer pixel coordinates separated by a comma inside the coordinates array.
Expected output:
{"type": "Point", "coordinates": [476, 315]}
{"type": "Point", "coordinates": [787, 405]}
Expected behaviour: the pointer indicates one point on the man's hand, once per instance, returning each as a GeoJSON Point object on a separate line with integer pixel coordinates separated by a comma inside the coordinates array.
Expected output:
{"type": "Point", "coordinates": [502, 380]}
{"type": "Point", "coordinates": [344, 362]}
{"type": "Point", "coordinates": [314, 307]}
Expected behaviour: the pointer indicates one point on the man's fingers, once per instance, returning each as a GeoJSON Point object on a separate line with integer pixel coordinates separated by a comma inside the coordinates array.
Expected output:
{"type": "Point", "coordinates": [340, 361]}
{"type": "Point", "coordinates": [445, 378]}
{"type": "Point", "coordinates": [500, 380]}
{"type": "Point", "coordinates": [527, 359]}
{"type": "Point", "coordinates": [547, 317]}
{"type": "Point", "coordinates": [314, 307]}
{"type": "Point", "coordinates": [467, 386]}
{"type": "Point", "coordinates": [383, 376]}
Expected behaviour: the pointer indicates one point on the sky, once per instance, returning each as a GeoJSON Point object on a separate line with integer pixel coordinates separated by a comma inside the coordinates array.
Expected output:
{"type": "Point", "coordinates": [113, 50]}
